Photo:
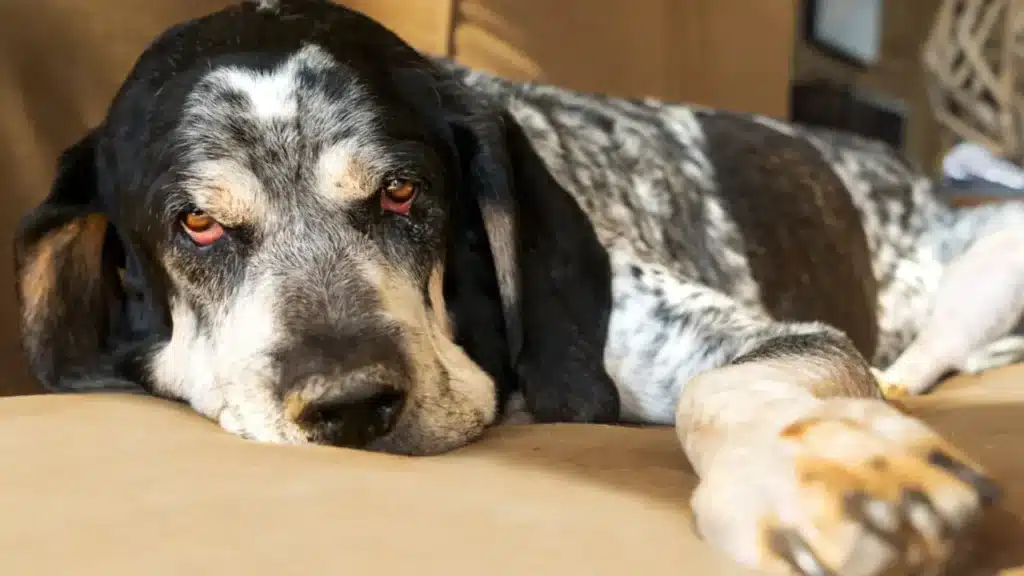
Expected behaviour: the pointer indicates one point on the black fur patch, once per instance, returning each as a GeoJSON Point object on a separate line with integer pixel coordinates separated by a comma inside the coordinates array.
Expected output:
{"type": "Point", "coordinates": [567, 298]}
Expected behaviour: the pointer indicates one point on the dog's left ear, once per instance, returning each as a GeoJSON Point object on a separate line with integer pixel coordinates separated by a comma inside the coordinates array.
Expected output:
{"type": "Point", "coordinates": [552, 274]}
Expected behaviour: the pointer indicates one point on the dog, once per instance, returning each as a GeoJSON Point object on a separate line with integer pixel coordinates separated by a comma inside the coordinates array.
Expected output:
{"type": "Point", "coordinates": [309, 232]}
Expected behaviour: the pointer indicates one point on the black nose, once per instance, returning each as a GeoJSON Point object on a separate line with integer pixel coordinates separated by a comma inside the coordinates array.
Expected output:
{"type": "Point", "coordinates": [350, 383]}
{"type": "Point", "coordinates": [352, 423]}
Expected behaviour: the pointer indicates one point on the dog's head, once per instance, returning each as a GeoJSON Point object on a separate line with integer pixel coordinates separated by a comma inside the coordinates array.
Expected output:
{"type": "Point", "coordinates": [297, 224]}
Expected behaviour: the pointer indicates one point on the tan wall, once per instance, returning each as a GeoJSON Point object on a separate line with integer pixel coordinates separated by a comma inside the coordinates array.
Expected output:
{"type": "Point", "coordinates": [733, 54]}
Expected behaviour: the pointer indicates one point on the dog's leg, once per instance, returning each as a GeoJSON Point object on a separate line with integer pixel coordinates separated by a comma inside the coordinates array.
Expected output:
{"type": "Point", "coordinates": [980, 301]}
{"type": "Point", "coordinates": [803, 468]}
{"type": "Point", "coordinates": [803, 465]}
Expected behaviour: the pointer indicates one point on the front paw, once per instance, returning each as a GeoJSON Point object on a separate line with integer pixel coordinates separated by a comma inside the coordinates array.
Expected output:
{"type": "Point", "coordinates": [856, 488]}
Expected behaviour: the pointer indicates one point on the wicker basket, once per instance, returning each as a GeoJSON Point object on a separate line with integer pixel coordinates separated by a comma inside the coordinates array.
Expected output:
{"type": "Point", "coordinates": [973, 58]}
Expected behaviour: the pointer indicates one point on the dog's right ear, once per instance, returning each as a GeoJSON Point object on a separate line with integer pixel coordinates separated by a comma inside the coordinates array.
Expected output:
{"type": "Point", "coordinates": [68, 290]}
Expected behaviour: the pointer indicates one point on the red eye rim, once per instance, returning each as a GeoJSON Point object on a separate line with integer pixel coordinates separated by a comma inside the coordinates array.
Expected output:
{"type": "Point", "coordinates": [202, 228]}
{"type": "Point", "coordinates": [397, 195]}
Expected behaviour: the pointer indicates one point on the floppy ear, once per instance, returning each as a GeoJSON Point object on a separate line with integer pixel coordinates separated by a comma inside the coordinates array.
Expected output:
{"type": "Point", "coordinates": [66, 275]}
{"type": "Point", "coordinates": [552, 275]}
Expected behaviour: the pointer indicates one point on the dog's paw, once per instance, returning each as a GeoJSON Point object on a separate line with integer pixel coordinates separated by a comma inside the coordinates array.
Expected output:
{"type": "Point", "coordinates": [857, 488]}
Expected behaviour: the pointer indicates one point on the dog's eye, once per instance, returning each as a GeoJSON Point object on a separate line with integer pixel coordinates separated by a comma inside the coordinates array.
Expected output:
{"type": "Point", "coordinates": [397, 195]}
{"type": "Point", "coordinates": [201, 227]}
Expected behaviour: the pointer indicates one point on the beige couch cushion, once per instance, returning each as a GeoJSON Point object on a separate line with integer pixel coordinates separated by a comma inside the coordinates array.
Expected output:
{"type": "Point", "coordinates": [132, 485]}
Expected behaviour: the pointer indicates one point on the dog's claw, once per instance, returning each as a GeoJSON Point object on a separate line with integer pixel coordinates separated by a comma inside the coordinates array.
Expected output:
{"type": "Point", "coordinates": [878, 516]}
{"type": "Point", "coordinates": [920, 513]}
{"type": "Point", "coordinates": [988, 490]}
{"type": "Point", "coordinates": [789, 546]}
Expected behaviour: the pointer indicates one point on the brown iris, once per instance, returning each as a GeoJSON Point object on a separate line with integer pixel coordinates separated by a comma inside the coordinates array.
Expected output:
{"type": "Point", "coordinates": [202, 228]}
{"type": "Point", "coordinates": [198, 221]}
{"type": "Point", "coordinates": [398, 195]}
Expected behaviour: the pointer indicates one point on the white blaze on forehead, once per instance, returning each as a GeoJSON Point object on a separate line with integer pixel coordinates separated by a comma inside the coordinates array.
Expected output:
{"type": "Point", "coordinates": [270, 94]}
{"type": "Point", "coordinates": [266, 5]}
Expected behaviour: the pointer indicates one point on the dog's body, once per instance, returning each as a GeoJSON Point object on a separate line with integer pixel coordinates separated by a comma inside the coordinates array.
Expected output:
{"type": "Point", "coordinates": [788, 222]}
{"type": "Point", "coordinates": [310, 233]}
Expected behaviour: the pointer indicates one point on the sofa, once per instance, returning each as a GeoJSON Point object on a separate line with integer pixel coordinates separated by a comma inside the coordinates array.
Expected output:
{"type": "Point", "coordinates": [125, 484]}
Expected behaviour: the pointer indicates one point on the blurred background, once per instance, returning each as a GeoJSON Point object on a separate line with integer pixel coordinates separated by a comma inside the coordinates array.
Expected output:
{"type": "Point", "coordinates": [857, 65]}
{"type": "Point", "coordinates": [937, 79]}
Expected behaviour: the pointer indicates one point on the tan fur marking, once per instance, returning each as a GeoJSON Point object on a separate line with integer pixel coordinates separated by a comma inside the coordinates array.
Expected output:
{"type": "Point", "coordinates": [344, 177]}
{"type": "Point", "coordinates": [471, 390]}
{"type": "Point", "coordinates": [878, 463]}
{"type": "Point", "coordinates": [403, 302]}
{"type": "Point", "coordinates": [501, 231]}
{"type": "Point", "coordinates": [400, 298]}
{"type": "Point", "coordinates": [74, 248]}
{"type": "Point", "coordinates": [822, 497]}
{"type": "Point", "coordinates": [435, 289]}
{"type": "Point", "coordinates": [294, 405]}
{"type": "Point", "coordinates": [799, 428]}
{"type": "Point", "coordinates": [229, 193]}
{"type": "Point", "coordinates": [835, 480]}
{"type": "Point", "coordinates": [454, 398]}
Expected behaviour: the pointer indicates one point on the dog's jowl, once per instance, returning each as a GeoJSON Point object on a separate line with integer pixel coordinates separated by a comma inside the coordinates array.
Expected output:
{"type": "Point", "coordinates": [310, 233]}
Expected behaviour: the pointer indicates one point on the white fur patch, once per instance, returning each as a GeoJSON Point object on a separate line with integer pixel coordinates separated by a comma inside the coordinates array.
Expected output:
{"type": "Point", "coordinates": [778, 126]}
{"type": "Point", "coordinates": [266, 5]}
{"type": "Point", "coordinates": [224, 374]}
{"type": "Point", "coordinates": [665, 330]}
{"type": "Point", "coordinates": [271, 95]}
{"type": "Point", "coordinates": [655, 343]}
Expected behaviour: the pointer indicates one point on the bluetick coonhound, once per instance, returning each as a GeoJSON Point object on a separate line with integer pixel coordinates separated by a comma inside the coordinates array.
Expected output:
{"type": "Point", "coordinates": [309, 232]}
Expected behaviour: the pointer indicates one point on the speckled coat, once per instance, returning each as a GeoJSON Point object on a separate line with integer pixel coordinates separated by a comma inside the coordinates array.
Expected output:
{"type": "Point", "coordinates": [708, 213]}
